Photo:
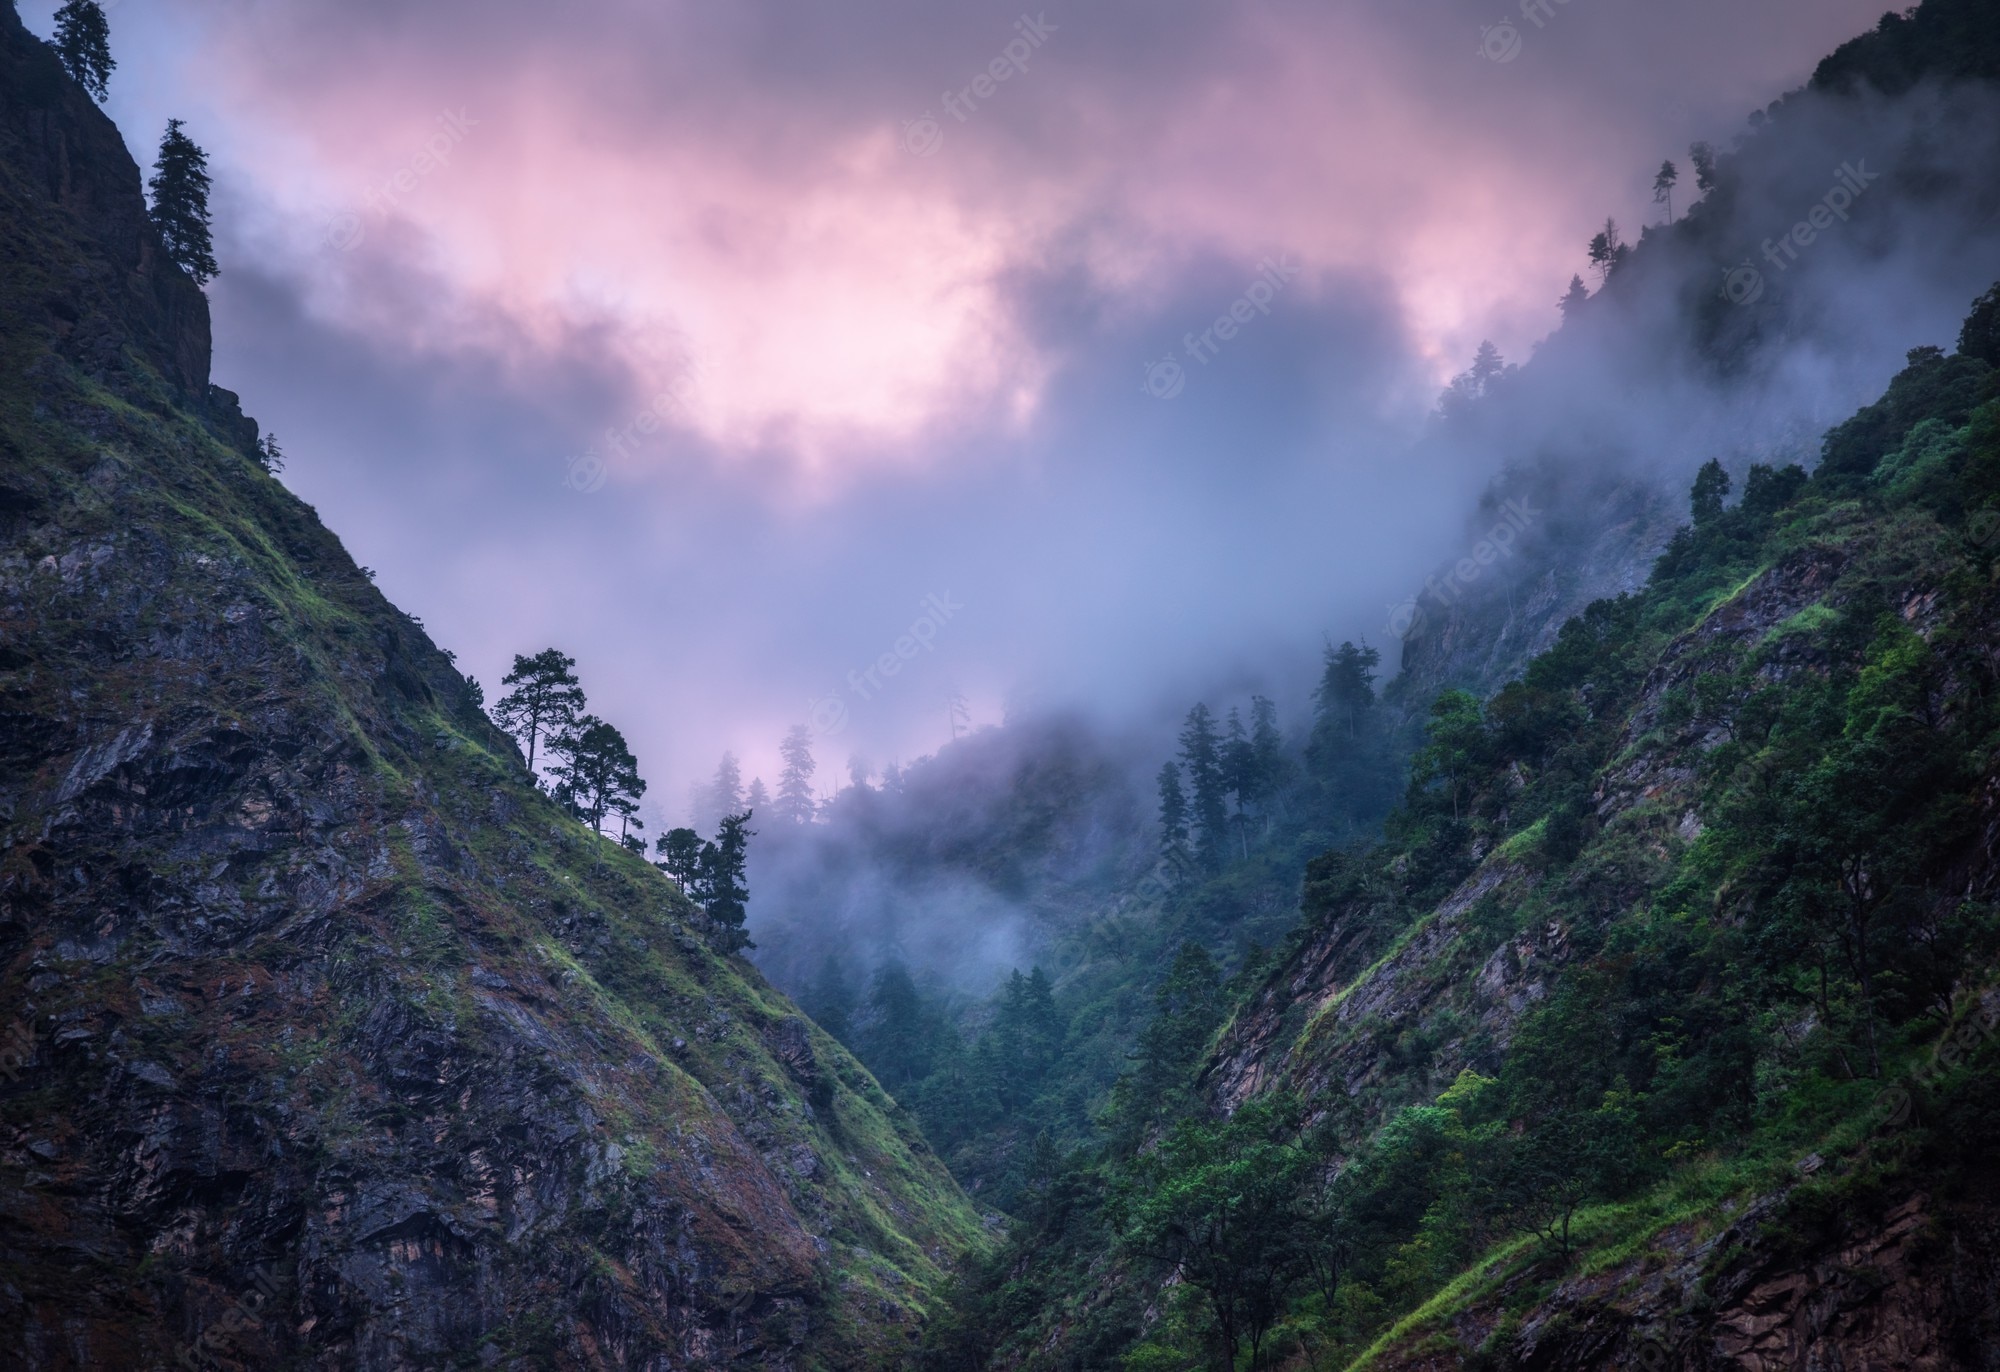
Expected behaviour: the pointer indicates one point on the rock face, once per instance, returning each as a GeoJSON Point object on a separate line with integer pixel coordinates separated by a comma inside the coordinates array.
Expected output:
{"type": "Point", "coordinates": [118, 289]}
{"type": "Point", "coordinates": [325, 1040]}
{"type": "Point", "coordinates": [1896, 1274]}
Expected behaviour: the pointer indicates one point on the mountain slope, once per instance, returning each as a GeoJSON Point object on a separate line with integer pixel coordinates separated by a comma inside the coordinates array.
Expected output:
{"type": "Point", "coordinates": [331, 1041]}
{"type": "Point", "coordinates": [1719, 336]}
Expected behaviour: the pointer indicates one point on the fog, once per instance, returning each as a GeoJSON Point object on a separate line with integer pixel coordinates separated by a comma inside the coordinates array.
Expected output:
{"type": "Point", "coordinates": [725, 347]}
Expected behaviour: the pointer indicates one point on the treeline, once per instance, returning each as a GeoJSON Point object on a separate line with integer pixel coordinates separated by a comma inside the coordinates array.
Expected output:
{"type": "Point", "coordinates": [1042, 1064]}
{"type": "Point", "coordinates": [1233, 788]}
{"type": "Point", "coordinates": [585, 766]}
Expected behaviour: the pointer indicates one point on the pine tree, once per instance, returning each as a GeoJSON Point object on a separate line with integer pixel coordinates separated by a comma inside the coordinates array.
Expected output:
{"type": "Point", "coordinates": [180, 204]}
{"type": "Point", "coordinates": [1345, 694]}
{"type": "Point", "coordinates": [758, 798]}
{"type": "Point", "coordinates": [1201, 754]}
{"type": "Point", "coordinates": [597, 771]}
{"type": "Point", "coordinates": [833, 999]}
{"type": "Point", "coordinates": [1573, 297]}
{"type": "Point", "coordinates": [83, 41]}
{"type": "Point", "coordinates": [1239, 774]}
{"type": "Point", "coordinates": [1173, 817]}
{"type": "Point", "coordinates": [680, 858]}
{"type": "Point", "coordinates": [1702, 155]}
{"type": "Point", "coordinates": [722, 795]}
{"type": "Point", "coordinates": [545, 701]}
{"type": "Point", "coordinates": [723, 875]}
{"type": "Point", "coordinates": [1486, 365]}
{"type": "Point", "coordinates": [1711, 487]}
{"type": "Point", "coordinates": [1345, 753]}
{"type": "Point", "coordinates": [795, 794]}
{"type": "Point", "coordinates": [269, 455]}
{"type": "Point", "coordinates": [1606, 251]}
{"type": "Point", "coordinates": [1268, 764]}
{"type": "Point", "coordinates": [1663, 187]}
{"type": "Point", "coordinates": [899, 1040]}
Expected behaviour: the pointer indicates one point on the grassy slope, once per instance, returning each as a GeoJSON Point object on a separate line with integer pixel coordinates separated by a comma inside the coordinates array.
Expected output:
{"type": "Point", "coordinates": [378, 859]}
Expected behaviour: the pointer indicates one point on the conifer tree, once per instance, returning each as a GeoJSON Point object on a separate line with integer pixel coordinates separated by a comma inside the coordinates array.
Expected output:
{"type": "Point", "coordinates": [1201, 754]}
{"type": "Point", "coordinates": [597, 771]}
{"type": "Point", "coordinates": [722, 795]}
{"type": "Point", "coordinates": [180, 204]}
{"type": "Point", "coordinates": [680, 858]}
{"type": "Point", "coordinates": [723, 875]}
{"type": "Point", "coordinates": [1711, 487]}
{"type": "Point", "coordinates": [83, 41]}
{"type": "Point", "coordinates": [833, 999]}
{"type": "Point", "coordinates": [1663, 187]}
{"type": "Point", "coordinates": [1239, 773]}
{"type": "Point", "coordinates": [1173, 817]}
{"type": "Point", "coordinates": [1606, 251]}
{"type": "Point", "coordinates": [1573, 297]}
{"type": "Point", "coordinates": [899, 1039]}
{"type": "Point", "coordinates": [1267, 749]}
{"type": "Point", "coordinates": [757, 798]}
{"type": "Point", "coordinates": [795, 795]}
{"type": "Point", "coordinates": [544, 702]}
{"type": "Point", "coordinates": [1702, 155]}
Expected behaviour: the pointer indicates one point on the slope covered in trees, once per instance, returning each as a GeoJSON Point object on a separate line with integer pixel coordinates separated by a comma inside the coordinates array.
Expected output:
{"type": "Point", "coordinates": [1667, 1000]}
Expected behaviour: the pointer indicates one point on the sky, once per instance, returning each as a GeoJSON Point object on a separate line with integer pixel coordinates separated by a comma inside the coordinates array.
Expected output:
{"type": "Point", "coordinates": [1074, 353]}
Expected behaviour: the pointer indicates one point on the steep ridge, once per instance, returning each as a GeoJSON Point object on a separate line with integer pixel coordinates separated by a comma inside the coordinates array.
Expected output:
{"type": "Point", "coordinates": [1862, 1233]}
{"type": "Point", "coordinates": [329, 1041]}
{"type": "Point", "coordinates": [1659, 1028]}
{"type": "Point", "coordinates": [1716, 336]}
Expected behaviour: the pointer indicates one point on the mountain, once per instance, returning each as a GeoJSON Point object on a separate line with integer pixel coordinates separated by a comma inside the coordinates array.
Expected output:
{"type": "Point", "coordinates": [1738, 331]}
{"type": "Point", "coordinates": [1658, 1027]}
{"type": "Point", "coordinates": [1662, 1027]}
{"type": "Point", "coordinates": [329, 1040]}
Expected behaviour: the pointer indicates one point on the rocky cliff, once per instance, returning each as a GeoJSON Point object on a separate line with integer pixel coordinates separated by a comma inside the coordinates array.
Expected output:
{"type": "Point", "coordinates": [329, 1041]}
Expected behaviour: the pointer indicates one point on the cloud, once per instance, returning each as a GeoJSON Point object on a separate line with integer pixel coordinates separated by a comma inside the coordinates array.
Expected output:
{"type": "Point", "coordinates": [892, 372]}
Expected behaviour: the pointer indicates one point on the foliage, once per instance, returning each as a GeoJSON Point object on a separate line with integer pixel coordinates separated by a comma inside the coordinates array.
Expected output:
{"type": "Point", "coordinates": [545, 700]}
{"type": "Point", "coordinates": [1715, 979]}
{"type": "Point", "coordinates": [83, 41]}
{"type": "Point", "coordinates": [179, 187]}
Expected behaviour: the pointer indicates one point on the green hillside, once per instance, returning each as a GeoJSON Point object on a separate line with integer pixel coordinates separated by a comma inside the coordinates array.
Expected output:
{"type": "Point", "coordinates": [330, 1040]}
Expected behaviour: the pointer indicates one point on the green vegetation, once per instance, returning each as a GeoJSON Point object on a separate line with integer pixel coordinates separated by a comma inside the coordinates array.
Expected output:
{"type": "Point", "coordinates": [1733, 822]}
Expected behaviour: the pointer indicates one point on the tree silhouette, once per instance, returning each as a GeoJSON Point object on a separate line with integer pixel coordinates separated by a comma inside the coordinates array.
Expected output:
{"type": "Point", "coordinates": [795, 796]}
{"type": "Point", "coordinates": [1663, 187]}
{"type": "Point", "coordinates": [1201, 754]}
{"type": "Point", "coordinates": [597, 772]}
{"type": "Point", "coordinates": [1573, 297]}
{"type": "Point", "coordinates": [83, 42]}
{"type": "Point", "coordinates": [545, 701]}
{"type": "Point", "coordinates": [1702, 155]}
{"type": "Point", "coordinates": [1173, 816]}
{"type": "Point", "coordinates": [722, 874]}
{"type": "Point", "coordinates": [680, 858]}
{"type": "Point", "coordinates": [1606, 251]}
{"type": "Point", "coordinates": [180, 204]}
